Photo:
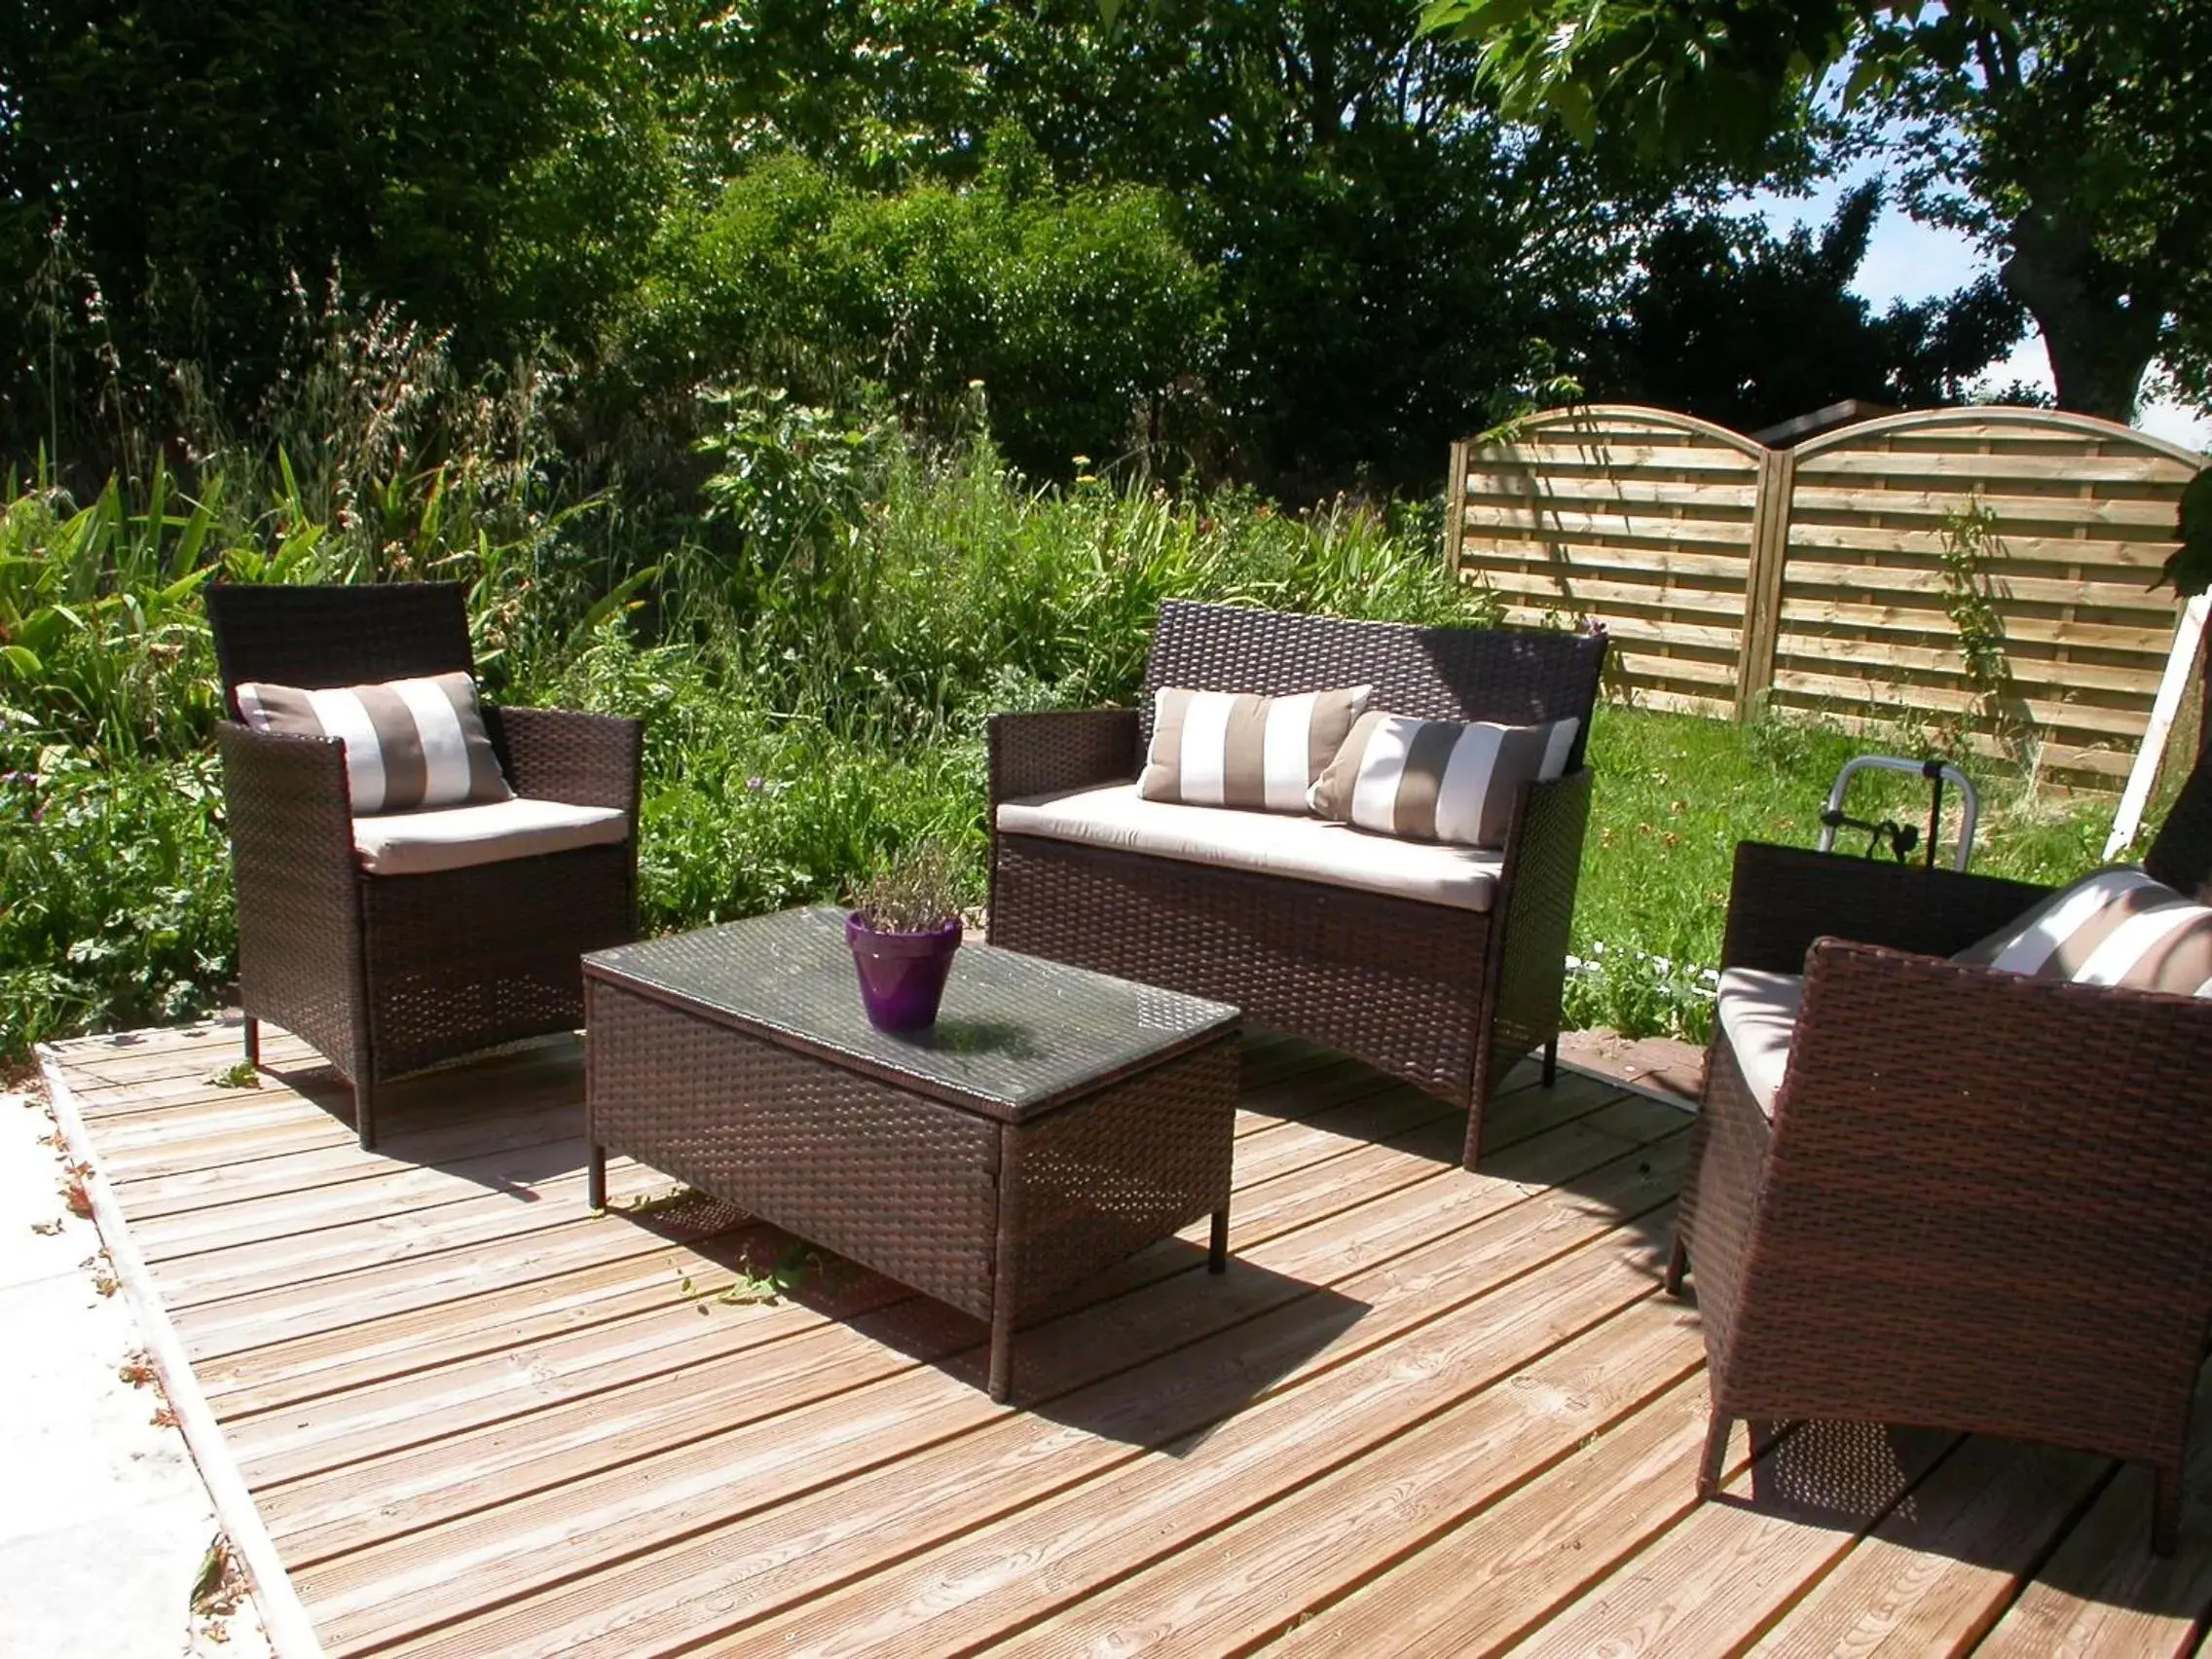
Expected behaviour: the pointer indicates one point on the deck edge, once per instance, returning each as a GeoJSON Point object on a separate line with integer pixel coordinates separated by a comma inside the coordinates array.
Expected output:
{"type": "Point", "coordinates": [284, 1617]}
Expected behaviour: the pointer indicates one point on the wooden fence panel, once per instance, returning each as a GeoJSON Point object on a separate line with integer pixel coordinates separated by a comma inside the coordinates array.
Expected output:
{"type": "Point", "coordinates": [2082, 515]}
{"type": "Point", "coordinates": [1643, 519]}
{"type": "Point", "coordinates": [1732, 576]}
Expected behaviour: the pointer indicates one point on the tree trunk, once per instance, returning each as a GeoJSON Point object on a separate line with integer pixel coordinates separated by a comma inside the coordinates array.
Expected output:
{"type": "Point", "coordinates": [2101, 336]}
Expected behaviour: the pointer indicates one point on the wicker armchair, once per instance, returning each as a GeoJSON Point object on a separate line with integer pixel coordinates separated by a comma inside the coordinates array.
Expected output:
{"type": "Point", "coordinates": [1448, 999]}
{"type": "Point", "coordinates": [386, 975]}
{"type": "Point", "coordinates": [1980, 1199]}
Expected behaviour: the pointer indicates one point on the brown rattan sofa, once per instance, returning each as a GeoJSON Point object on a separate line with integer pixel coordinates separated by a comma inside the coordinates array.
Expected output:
{"type": "Point", "coordinates": [1977, 1200]}
{"type": "Point", "coordinates": [1446, 996]}
{"type": "Point", "coordinates": [389, 973]}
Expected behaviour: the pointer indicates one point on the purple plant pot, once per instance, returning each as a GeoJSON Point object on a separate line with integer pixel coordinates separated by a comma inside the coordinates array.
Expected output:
{"type": "Point", "coordinates": [902, 974]}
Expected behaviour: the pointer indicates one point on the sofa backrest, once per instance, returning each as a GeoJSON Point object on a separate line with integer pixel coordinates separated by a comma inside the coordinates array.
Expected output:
{"type": "Point", "coordinates": [1515, 676]}
{"type": "Point", "coordinates": [337, 635]}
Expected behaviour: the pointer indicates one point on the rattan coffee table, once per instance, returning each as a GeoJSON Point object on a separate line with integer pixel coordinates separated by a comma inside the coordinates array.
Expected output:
{"type": "Point", "coordinates": [1054, 1122]}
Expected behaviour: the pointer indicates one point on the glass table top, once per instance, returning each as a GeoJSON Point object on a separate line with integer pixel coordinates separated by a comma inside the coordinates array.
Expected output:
{"type": "Point", "coordinates": [1017, 1033]}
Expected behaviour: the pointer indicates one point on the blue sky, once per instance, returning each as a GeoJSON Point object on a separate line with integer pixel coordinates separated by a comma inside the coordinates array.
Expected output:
{"type": "Point", "coordinates": [1908, 261]}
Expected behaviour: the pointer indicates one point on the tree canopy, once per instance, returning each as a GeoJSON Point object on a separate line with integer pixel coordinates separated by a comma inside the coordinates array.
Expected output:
{"type": "Point", "coordinates": [1296, 242]}
{"type": "Point", "coordinates": [1738, 326]}
{"type": "Point", "coordinates": [2070, 138]}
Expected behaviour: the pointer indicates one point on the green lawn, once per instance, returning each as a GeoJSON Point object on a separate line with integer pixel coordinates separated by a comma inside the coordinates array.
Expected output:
{"type": "Point", "coordinates": [1675, 794]}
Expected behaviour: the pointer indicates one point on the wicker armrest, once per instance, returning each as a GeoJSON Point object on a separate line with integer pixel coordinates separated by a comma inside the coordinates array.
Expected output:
{"type": "Point", "coordinates": [1543, 862]}
{"type": "Point", "coordinates": [559, 754]}
{"type": "Point", "coordinates": [1036, 754]}
{"type": "Point", "coordinates": [2080, 1067]}
{"type": "Point", "coordinates": [1783, 899]}
{"type": "Point", "coordinates": [291, 825]}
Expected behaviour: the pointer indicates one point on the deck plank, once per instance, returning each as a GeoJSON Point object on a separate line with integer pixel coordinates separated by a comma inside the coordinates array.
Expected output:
{"type": "Point", "coordinates": [1225, 1591]}
{"type": "Point", "coordinates": [1942, 1566]}
{"type": "Point", "coordinates": [1425, 1412]}
{"type": "Point", "coordinates": [1485, 1584]}
{"type": "Point", "coordinates": [2102, 1593]}
{"type": "Point", "coordinates": [1262, 1324]}
{"type": "Point", "coordinates": [1715, 1580]}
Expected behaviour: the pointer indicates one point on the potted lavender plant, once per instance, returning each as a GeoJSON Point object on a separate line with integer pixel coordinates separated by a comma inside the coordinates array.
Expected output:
{"type": "Point", "coordinates": [904, 930]}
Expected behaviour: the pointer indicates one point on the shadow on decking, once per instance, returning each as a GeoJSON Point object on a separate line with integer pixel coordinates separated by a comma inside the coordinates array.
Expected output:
{"type": "Point", "coordinates": [510, 1121]}
{"type": "Point", "coordinates": [1145, 1342]}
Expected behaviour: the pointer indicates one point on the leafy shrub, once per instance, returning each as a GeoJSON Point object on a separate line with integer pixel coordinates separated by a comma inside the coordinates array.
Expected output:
{"type": "Point", "coordinates": [962, 588]}
{"type": "Point", "coordinates": [115, 901]}
{"type": "Point", "coordinates": [1079, 308]}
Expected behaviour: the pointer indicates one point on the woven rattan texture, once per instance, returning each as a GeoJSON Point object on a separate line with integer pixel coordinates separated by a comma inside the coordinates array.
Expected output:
{"type": "Point", "coordinates": [1391, 979]}
{"type": "Point", "coordinates": [558, 754]}
{"type": "Point", "coordinates": [337, 635]}
{"type": "Point", "coordinates": [1513, 675]}
{"type": "Point", "coordinates": [1137, 1162]}
{"type": "Point", "coordinates": [1980, 1203]}
{"type": "Point", "coordinates": [1072, 749]}
{"type": "Point", "coordinates": [1017, 1036]}
{"type": "Point", "coordinates": [1535, 905]}
{"type": "Point", "coordinates": [385, 975]}
{"type": "Point", "coordinates": [925, 1192]}
{"type": "Point", "coordinates": [1781, 899]}
{"type": "Point", "coordinates": [904, 1185]}
{"type": "Point", "coordinates": [1444, 998]}
{"type": "Point", "coordinates": [300, 938]}
{"type": "Point", "coordinates": [1728, 1147]}
{"type": "Point", "coordinates": [463, 959]}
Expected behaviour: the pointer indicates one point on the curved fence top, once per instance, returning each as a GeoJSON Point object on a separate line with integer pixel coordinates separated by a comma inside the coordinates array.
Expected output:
{"type": "Point", "coordinates": [1594, 417]}
{"type": "Point", "coordinates": [1826, 578]}
{"type": "Point", "coordinates": [2003, 420]}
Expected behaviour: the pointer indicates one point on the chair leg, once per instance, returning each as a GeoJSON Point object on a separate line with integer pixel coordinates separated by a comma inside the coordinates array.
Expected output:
{"type": "Point", "coordinates": [365, 1113]}
{"type": "Point", "coordinates": [1678, 1264]}
{"type": "Point", "coordinates": [1550, 1062]}
{"type": "Point", "coordinates": [2166, 1511]}
{"type": "Point", "coordinates": [253, 1041]}
{"type": "Point", "coordinates": [1716, 1453]}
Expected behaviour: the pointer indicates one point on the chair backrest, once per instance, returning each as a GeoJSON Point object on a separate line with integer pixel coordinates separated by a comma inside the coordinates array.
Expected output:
{"type": "Point", "coordinates": [1514, 675]}
{"type": "Point", "coordinates": [313, 637]}
{"type": "Point", "coordinates": [2181, 855]}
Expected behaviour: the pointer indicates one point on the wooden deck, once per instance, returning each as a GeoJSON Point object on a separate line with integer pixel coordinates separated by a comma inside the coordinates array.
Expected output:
{"type": "Point", "coordinates": [1425, 1412]}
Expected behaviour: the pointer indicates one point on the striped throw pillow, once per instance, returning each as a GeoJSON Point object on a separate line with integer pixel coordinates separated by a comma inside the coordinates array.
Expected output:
{"type": "Point", "coordinates": [2114, 926]}
{"type": "Point", "coordinates": [1235, 749]}
{"type": "Point", "coordinates": [409, 743]}
{"type": "Point", "coordinates": [1439, 780]}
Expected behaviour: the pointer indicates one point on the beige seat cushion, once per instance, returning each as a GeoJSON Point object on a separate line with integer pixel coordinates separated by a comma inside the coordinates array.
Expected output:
{"type": "Point", "coordinates": [1758, 1014]}
{"type": "Point", "coordinates": [454, 837]}
{"type": "Point", "coordinates": [1117, 817]}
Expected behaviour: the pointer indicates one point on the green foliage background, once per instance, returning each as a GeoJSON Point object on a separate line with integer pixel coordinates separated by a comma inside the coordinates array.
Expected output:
{"type": "Point", "coordinates": [1293, 244]}
{"type": "Point", "coordinates": [811, 378]}
{"type": "Point", "coordinates": [813, 705]}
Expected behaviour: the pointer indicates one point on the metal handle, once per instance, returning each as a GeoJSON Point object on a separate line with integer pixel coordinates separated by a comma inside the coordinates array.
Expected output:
{"type": "Point", "coordinates": [1970, 810]}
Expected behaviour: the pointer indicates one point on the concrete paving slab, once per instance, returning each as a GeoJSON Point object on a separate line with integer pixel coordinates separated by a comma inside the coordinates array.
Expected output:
{"type": "Point", "coordinates": [109, 1523]}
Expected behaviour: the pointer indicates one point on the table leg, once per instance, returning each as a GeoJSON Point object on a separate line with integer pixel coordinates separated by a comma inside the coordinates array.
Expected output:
{"type": "Point", "coordinates": [1006, 1272]}
{"type": "Point", "coordinates": [1001, 1346]}
{"type": "Point", "coordinates": [1217, 1254]}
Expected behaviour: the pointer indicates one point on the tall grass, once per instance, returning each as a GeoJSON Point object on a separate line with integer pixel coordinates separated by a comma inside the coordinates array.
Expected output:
{"type": "Point", "coordinates": [1675, 794]}
{"type": "Point", "coordinates": [813, 657]}
{"type": "Point", "coordinates": [813, 632]}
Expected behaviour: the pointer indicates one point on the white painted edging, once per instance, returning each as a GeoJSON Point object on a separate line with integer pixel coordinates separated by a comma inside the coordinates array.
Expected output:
{"type": "Point", "coordinates": [2145, 772]}
{"type": "Point", "coordinates": [291, 1635]}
